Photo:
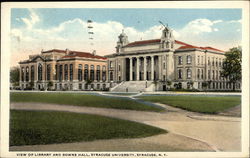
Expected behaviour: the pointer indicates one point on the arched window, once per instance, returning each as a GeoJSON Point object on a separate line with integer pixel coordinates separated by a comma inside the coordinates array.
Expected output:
{"type": "Point", "coordinates": [48, 72]}
{"type": "Point", "coordinates": [92, 72]}
{"type": "Point", "coordinates": [40, 72]}
{"type": "Point", "coordinates": [32, 73]}
{"type": "Point", "coordinates": [80, 72]}
{"type": "Point", "coordinates": [86, 72]}
{"type": "Point", "coordinates": [60, 72]}
{"type": "Point", "coordinates": [66, 72]}
{"type": "Point", "coordinates": [98, 73]}
{"type": "Point", "coordinates": [71, 72]}
{"type": "Point", "coordinates": [180, 74]}
{"type": "Point", "coordinates": [104, 73]}
{"type": "Point", "coordinates": [27, 74]}
{"type": "Point", "coordinates": [189, 59]}
{"type": "Point", "coordinates": [22, 73]}
{"type": "Point", "coordinates": [189, 73]}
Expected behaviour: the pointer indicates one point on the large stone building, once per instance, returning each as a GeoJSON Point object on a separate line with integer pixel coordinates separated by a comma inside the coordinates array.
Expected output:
{"type": "Point", "coordinates": [159, 64]}
{"type": "Point", "coordinates": [64, 70]}
{"type": "Point", "coordinates": [148, 65]}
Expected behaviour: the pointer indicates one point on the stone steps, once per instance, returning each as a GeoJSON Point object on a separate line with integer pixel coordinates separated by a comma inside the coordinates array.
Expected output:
{"type": "Point", "coordinates": [132, 86]}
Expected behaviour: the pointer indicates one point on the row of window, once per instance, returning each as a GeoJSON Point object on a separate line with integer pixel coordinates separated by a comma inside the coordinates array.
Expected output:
{"type": "Point", "coordinates": [212, 74]}
{"type": "Point", "coordinates": [60, 74]}
{"type": "Point", "coordinates": [200, 60]}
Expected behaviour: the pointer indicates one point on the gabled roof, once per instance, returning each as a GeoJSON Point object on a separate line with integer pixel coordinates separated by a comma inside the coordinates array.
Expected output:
{"type": "Point", "coordinates": [73, 54]}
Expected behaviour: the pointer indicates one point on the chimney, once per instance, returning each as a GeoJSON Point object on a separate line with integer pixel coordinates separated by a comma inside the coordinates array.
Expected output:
{"type": "Point", "coordinates": [94, 52]}
{"type": "Point", "coordinates": [67, 51]}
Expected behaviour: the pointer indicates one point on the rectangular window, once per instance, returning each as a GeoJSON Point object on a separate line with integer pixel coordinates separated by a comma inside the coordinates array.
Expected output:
{"type": "Point", "coordinates": [71, 72]}
{"type": "Point", "coordinates": [180, 60]}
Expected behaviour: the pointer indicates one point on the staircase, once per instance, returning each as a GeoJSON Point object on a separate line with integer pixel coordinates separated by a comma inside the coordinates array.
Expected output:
{"type": "Point", "coordinates": [134, 86]}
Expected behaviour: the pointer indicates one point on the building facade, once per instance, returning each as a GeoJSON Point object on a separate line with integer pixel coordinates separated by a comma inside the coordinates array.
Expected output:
{"type": "Point", "coordinates": [64, 70]}
{"type": "Point", "coordinates": [166, 63]}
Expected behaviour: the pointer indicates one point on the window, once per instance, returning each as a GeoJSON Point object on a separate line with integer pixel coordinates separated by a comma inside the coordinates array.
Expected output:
{"type": "Point", "coordinates": [180, 74]}
{"type": "Point", "coordinates": [98, 86]}
{"type": "Point", "coordinates": [98, 73]}
{"type": "Point", "coordinates": [71, 72]}
{"type": "Point", "coordinates": [111, 76]}
{"type": "Point", "coordinates": [111, 64]}
{"type": "Point", "coordinates": [189, 59]}
{"type": "Point", "coordinates": [86, 72]}
{"type": "Point", "coordinates": [201, 60]}
{"type": "Point", "coordinates": [189, 74]}
{"type": "Point", "coordinates": [216, 63]}
{"type": "Point", "coordinates": [202, 73]}
{"type": "Point", "coordinates": [48, 72]}
{"type": "Point", "coordinates": [92, 73]}
{"type": "Point", "coordinates": [80, 86]}
{"type": "Point", "coordinates": [198, 60]}
{"type": "Point", "coordinates": [172, 45]}
{"type": "Point", "coordinates": [104, 73]}
{"type": "Point", "coordinates": [60, 72]}
{"type": "Point", "coordinates": [56, 72]}
{"type": "Point", "coordinates": [66, 72]}
{"type": "Point", "coordinates": [80, 72]}
{"type": "Point", "coordinates": [40, 72]}
{"type": "Point", "coordinates": [216, 75]}
{"type": "Point", "coordinates": [180, 60]}
{"type": "Point", "coordinates": [22, 74]}
{"type": "Point", "coordinates": [208, 61]}
{"type": "Point", "coordinates": [213, 74]}
{"type": "Point", "coordinates": [213, 62]}
{"type": "Point", "coordinates": [208, 74]}
{"type": "Point", "coordinates": [164, 65]}
{"type": "Point", "coordinates": [32, 73]}
{"type": "Point", "coordinates": [27, 74]}
{"type": "Point", "coordinates": [198, 74]}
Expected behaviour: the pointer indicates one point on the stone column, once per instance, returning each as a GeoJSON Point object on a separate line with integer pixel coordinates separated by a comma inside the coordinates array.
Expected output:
{"type": "Point", "coordinates": [145, 68]}
{"type": "Point", "coordinates": [131, 69]}
{"type": "Point", "coordinates": [152, 68]}
{"type": "Point", "coordinates": [137, 68]}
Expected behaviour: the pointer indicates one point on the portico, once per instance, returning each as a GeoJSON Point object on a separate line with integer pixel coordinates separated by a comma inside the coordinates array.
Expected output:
{"type": "Point", "coordinates": [142, 68]}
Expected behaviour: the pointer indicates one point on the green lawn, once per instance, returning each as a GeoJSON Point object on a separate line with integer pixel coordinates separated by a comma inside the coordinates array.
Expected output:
{"type": "Point", "coordinates": [203, 104]}
{"type": "Point", "coordinates": [47, 127]}
{"type": "Point", "coordinates": [82, 100]}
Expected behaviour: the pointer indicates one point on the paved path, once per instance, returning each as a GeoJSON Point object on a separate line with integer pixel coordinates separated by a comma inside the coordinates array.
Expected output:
{"type": "Point", "coordinates": [187, 131]}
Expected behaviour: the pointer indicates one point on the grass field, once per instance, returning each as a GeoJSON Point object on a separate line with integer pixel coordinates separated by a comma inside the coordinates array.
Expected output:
{"type": "Point", "coordinates": [82, 100]}
{"type": "Point", "coordinates": [203, 104]}
{"type": "Point", "coordinates": [47, 127]}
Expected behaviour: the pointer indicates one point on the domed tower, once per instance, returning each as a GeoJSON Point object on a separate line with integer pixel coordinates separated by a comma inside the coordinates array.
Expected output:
{"type": "Point", "coordinates": [122, 41]}
{"type": "Point", "coordinates": [167, 39]}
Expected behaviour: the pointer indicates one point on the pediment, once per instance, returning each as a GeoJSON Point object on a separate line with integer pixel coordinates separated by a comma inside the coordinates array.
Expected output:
{"type": "Point", "coordinates": [38, 58]}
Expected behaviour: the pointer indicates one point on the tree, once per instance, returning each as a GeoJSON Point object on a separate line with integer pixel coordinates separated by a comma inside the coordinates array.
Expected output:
{"type": "Point", "coordinates": [204, 85]}
{"type": "Point", "coordinates": [232, 65]}
{"type": "Point", "coordinates": [14, 75]}
{"type": "Point", "coordinates": [50, 84]}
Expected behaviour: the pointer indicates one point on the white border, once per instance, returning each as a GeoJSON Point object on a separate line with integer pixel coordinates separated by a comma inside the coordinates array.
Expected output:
{"type": "Point", "coordinates": [5, 63]}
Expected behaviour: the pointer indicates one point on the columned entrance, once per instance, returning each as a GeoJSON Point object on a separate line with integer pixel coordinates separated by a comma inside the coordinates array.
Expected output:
{"type": "Point", "coordinates": [142, 68]}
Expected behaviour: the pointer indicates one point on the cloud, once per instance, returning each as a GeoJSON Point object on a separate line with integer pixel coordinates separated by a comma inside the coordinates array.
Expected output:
{"type": "Point", "coordinates": [235, 21]}
{"type": "Point", "coordinates": [73, 34]}
{"type": "Point", "coordinates": [33, 19]}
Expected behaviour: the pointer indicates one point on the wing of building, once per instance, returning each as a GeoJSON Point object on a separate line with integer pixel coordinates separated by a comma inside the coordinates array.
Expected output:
{"type": "Point", "coordinates": [148, 65]}
{"type": "Point", "coordinates": [64, 70]}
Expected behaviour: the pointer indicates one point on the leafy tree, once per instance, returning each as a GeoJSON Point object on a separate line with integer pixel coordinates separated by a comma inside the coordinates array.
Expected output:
{"type": "Point", "coordinates": [204, 85]}
{"type": "Point", "coordinates": [232, 65]}
{"type": "Point", "coordinates": [169, 83]}
{"type": "Point", "coordinates": [14, 75]}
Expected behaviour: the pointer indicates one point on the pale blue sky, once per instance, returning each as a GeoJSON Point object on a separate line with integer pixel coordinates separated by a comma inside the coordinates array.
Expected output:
{"type": "Point", "coordinates": [140, 19]}
{"type": "Point", "coordinates": [54, 28]}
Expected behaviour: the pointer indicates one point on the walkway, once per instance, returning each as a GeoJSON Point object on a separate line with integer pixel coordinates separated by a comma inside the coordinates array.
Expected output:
{"type": "Point", "coordinates": [188, 131]}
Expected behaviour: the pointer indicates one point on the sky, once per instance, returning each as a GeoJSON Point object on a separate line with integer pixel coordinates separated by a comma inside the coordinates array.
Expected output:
{"type": "Point", "coordinates": [33, 30]}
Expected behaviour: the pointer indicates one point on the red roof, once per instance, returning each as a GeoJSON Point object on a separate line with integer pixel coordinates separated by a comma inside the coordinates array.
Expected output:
{"type": "Point", "coordinates": [73, 54]}
{"type": "Point", "coordinates": [186, 46]}
{"type": "Point", "coordinates": [144, 42]}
